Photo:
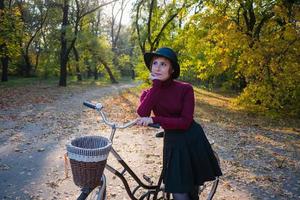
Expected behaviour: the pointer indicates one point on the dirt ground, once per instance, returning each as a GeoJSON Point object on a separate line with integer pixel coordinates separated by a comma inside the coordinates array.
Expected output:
{"type": "Point", "coordinates": [36, 122]}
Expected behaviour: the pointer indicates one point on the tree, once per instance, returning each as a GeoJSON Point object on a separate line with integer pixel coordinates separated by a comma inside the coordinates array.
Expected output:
{"type": "Point", "coordinates": [249, 45]}
{"type": "Point", "coordinates": [152, 18]}
{"type": "Point", "coordinates": [100, 50]}
{"type": "Point", "coordinates": [33, 15]}
{"type": "Point", "coordinates": [115, 27]}
{"type": "Point", "coordinates": [10, 26]}
{"type": "Point", "coordinates": [97, 30]}
{"type": "Point", "coordinates": [82, 9]}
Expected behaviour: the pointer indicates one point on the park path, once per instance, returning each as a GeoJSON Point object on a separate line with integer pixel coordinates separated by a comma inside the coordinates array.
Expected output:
{"type": "Point", "coordinates": [257, 163]}
{"type": "Point", "coordinates": [34, 132]}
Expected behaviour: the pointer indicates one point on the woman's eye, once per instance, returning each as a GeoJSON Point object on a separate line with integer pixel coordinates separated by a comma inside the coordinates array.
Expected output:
{"type": "Point", "coordinates": [163, 64]}
{"type": "Point", "coordinates": [155, 63]}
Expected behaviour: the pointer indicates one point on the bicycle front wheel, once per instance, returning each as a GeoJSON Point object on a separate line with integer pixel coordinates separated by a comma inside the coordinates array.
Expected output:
{"type": "Point", "coordinates": [208, 189]}
{"type": "Point", "coordinates": [99, 193]}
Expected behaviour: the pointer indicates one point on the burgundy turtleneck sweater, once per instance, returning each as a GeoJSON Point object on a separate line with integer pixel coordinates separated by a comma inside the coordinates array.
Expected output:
{"type": "Point", "coordinates": [172, 103]}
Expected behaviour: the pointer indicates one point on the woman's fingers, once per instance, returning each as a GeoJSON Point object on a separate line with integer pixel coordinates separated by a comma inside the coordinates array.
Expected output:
{"type": "Point", "coordinates": [144, 121]}
{"type": "Point", "coordinates": [139, 121]}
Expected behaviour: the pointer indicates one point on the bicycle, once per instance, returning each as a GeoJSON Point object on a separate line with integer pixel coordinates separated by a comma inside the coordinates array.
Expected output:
{"type": "Point", "coordinates": [151, 191]}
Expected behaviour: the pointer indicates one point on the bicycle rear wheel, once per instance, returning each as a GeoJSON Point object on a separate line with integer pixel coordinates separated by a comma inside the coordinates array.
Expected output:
{"type": "Point", "coordinates": [208, 189]}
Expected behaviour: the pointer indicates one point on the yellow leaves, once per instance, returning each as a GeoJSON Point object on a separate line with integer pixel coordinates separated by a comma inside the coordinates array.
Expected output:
{"type": "Point", "coordinates": [226, 62]}
{"type": "Point", "coordinates": [17, 12]}
{"type": "Point", "coordinates": [203, 76]}
{"type": "Point", "coordinates": [290, 33]}
{"type": "Point", "coordinates": [221, 50]}
{"type": "Point", "coordinates": [230, 26]}
{"type": "Point", "coordinates": [211, 62]}
{"type": "Point", "coordinates": [230, 53]}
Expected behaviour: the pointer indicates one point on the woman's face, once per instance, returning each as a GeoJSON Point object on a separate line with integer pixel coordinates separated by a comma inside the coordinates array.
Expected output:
{"type": "Point", "coordinates": [161, 68]}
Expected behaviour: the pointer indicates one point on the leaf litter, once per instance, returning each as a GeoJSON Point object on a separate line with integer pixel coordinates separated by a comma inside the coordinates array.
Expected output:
{"type": "Point", "coordinates": [259, 160]}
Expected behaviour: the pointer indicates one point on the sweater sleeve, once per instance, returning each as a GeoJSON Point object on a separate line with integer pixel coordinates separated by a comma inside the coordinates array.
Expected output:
{"type": "Point", "coordinates": [185, 119]}
{"type": "Point", "coordinates": [148, 99]}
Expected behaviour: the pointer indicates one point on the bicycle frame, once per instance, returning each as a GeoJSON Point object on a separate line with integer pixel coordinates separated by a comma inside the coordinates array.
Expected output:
{"type": "Point", "coordinates": [151, 189]}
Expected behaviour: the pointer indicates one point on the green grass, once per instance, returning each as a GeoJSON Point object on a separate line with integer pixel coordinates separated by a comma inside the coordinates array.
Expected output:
{"type": "Point", "coordinates": [17, 81]}
{"type": "Point", "coordinates": [53, 81]}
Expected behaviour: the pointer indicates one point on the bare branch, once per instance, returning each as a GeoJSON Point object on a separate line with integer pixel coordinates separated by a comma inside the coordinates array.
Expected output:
{"type": "Point", "coordinates": [120, 21]}
{"type": "Point", "coordinates": [141, 44]}
{"type": "Point", "coordinates": [166, 24]}
{"type": "Point", "coordinates": [149, 20]}
{"type": "Point", "coordinates": [96, 8]}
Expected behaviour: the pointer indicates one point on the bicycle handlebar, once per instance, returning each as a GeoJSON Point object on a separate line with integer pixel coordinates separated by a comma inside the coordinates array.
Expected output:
{"type": "Point", "coordinates": [153, 125]}
{"type": "Point", "coordinates": [90, 105]}
{"type": "Point", "coordinates": [99, 107]}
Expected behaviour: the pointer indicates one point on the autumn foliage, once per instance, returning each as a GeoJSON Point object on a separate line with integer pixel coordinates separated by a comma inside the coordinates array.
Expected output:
{"type": "Point", "coordinates": [247, 46]}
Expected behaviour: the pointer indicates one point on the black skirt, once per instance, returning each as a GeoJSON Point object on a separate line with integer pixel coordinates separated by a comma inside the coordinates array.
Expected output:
{"type": "Point", "coordinates": [188, 160]}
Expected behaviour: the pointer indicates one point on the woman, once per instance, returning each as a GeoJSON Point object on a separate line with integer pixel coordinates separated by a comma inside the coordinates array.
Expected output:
{"type": "Point", "coordinates": [188, 159]}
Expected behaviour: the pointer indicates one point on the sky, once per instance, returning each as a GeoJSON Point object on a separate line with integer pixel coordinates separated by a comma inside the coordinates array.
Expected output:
{"type": "Point", "coordinates": [126, 14]}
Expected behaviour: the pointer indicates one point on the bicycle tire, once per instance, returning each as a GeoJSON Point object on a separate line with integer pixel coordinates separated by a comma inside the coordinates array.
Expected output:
{"type": "Point", "coordinates": [208, 189]}
{"type": "Point", "coordinates": [97, 193]}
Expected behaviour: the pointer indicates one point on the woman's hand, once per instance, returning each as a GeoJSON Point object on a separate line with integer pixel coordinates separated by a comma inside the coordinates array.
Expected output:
{"type": "Point", "coordinates": [144, 121]}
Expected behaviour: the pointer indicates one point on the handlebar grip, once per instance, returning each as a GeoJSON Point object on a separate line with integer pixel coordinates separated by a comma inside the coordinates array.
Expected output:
{"type": "Point", "coordinates": [154, 125]}
{"type": "Point", "coordinates": [89, 104]}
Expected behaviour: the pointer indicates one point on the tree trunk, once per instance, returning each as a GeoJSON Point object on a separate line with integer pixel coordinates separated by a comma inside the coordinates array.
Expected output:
{"type": "Point", "coordinates": [28, 66]}
{"type": "Point", "coordinates": [89, 72]}
{"type": "Point", "coordinates": [78, 73]}
{"type": "Point", "coordinates": [4, 58]}
{"type": "Point", "coordinates": [96, 74]}
{"type": "Point", "coordinates": [115, 34]}
{"type": "Point", "coordinates": [242, 83]}
{"type": "Point", "coordinates": [4, 61]}
{"type": "Point", "coordinates": [63, 73]}
{"type": "Point", "coordinates": [2, 4]}
{"type": "Point", "coordinates": [37, 59]}
{"type": "Point", "coordinates": [107, 68]}
{"type": "Point", "coordinates": [63, 41]}
{"type": "Point", "coordinates": [111, 76]}
{"type": "Point", "coordinates": [132, 74]}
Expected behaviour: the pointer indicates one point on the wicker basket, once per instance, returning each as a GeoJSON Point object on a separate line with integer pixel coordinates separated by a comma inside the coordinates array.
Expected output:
{"type": "Point", "coordinates": [88, 157]}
